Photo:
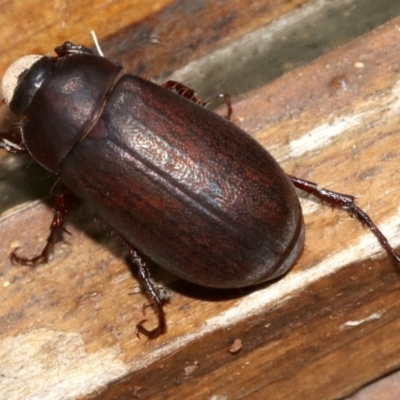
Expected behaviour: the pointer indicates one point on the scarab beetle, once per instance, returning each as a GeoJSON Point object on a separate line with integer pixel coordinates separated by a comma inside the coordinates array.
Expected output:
{"type": "Point", "coordinates": [182, 185]}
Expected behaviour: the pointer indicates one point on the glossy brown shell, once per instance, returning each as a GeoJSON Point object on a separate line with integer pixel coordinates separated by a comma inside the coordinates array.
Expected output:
{"type": "Point", "coordinates": [187, 188]}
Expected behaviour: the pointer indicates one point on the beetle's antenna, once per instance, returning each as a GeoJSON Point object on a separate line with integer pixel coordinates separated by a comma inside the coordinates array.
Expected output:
{"type": "Point", "coordinates": [96, 43]}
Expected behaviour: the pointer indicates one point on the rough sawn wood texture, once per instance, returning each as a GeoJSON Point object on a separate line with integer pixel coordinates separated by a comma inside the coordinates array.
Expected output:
{"type": "Point", "coordinates": [329, 327]}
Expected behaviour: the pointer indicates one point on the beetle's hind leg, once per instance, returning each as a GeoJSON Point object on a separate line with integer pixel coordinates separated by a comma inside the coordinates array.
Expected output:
{"type": "Point", "coordinates": [158, 303]}
{"type": "Point", "coordinates": [346, 203]}
{"type": "Point", "coordinates": [183, 91]}
{"type": "Point", "coordinates": [56, 226]}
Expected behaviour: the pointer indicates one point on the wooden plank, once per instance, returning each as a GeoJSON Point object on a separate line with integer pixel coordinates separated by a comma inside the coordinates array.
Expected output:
{"type": "Point", "coordinates": [67, 328]}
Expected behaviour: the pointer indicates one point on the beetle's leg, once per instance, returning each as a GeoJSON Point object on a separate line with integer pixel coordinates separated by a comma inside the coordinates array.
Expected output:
{"type": "Point", "coordinates": [228, 103]}
{"type": "Point", "coordinates": [11, 144]}
{"type": "Point", "coordinates": [185, 91]}
{"type": "Point", "coordinates": [56, 225]}
{"type": "Point", "coordinates": [69, 48]}
{"type": "Point", "coordinates": [346, 203]}
{"type": "Point", "coordinates": [144, 278]}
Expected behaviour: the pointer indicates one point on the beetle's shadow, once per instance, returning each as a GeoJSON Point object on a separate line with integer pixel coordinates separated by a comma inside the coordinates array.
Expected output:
{"type": "Point", "coordinates": [23, 180]}
{"type": "Point", "coordinates": [191, 290]}
{"type": "Point", "coordinates": [211, 294]}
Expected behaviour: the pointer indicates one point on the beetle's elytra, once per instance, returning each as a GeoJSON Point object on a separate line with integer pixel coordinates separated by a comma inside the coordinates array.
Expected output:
{"type": "Point", "coordinates": [182, 185]}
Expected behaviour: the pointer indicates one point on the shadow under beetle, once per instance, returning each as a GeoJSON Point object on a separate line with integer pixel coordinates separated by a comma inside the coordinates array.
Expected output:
{"type": "Point", "coordinates": [182, 185]}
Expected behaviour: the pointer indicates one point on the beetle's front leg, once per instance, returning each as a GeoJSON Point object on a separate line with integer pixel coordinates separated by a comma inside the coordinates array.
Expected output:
{"type": "Point", "coordinates": [56, 225]}
{"type": "Point", "coordinates": [144, 278]}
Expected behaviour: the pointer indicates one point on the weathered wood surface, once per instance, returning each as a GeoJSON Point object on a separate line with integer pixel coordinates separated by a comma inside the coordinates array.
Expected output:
{"type": "Point", "coordinates": [326, 329]}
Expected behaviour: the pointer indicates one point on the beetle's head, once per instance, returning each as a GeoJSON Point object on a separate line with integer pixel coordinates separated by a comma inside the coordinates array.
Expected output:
{"type": "Point", "coordinates": [22, 79]}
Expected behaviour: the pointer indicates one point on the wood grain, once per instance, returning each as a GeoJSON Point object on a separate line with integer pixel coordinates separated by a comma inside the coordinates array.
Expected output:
{"type": "Point", "coordinates": [323, 331]}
